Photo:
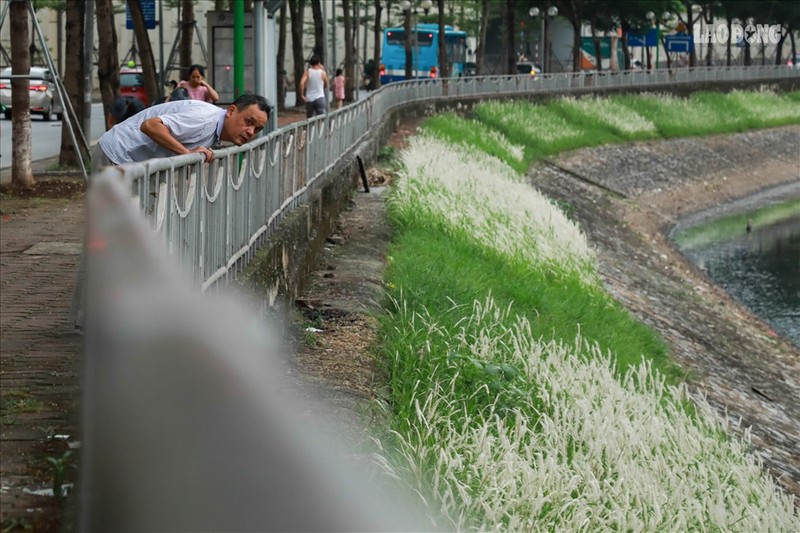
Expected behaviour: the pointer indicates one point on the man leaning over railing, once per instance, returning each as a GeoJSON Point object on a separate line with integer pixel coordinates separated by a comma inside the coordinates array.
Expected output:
{"type": "Point", "coordinates": [182, 127]}
{"type": "Point", "coordinates": [166, 130]}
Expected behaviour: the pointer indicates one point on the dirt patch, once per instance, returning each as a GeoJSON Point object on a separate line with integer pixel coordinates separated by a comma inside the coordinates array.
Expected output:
{"type": "Point", "coordinates": [61, 189]}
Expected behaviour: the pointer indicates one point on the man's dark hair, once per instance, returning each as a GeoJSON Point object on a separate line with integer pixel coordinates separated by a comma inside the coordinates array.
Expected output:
{"type": "Point", "coordinates": [253, 99]}
{"type": "Point", "coordinates": [314, 61]}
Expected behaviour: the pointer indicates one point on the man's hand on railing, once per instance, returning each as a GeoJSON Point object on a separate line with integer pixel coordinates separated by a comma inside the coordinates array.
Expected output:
{"type": "Point", "coordinates": [207, 152]}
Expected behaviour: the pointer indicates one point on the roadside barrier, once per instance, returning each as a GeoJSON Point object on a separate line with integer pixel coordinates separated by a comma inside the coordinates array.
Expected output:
{"type": "Point", "coordinates": [213, 217]}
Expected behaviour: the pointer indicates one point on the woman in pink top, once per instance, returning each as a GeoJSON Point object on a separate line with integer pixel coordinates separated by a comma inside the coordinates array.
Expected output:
{"type": "Point", "coordinates": [198, 87]}
{"type": "Point", "coordinates": [338, 88]}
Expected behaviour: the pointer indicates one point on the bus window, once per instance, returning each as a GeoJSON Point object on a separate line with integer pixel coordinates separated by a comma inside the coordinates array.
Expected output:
{"type": "Point", "coordinates": [398, 38]}
{"type": "Point", "coordinates": [456, 49]}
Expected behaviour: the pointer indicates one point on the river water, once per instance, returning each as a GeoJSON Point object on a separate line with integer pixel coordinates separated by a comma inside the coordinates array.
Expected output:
{"type": "Point", "coordinates": [759, 267]}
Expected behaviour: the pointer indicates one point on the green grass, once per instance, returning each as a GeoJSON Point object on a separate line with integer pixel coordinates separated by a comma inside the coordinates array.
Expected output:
{"type": "Point", "coordinates": [435, 268]}
{"type": "Point", "coordinates": [457, 130]}
{"type": "Point", "coordinates": [566, 124]}
{"type": "Point", "coordinates": [505, 356]}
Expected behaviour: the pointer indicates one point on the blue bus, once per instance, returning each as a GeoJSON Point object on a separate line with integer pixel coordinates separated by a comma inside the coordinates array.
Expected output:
{"type": "Point", "coordinates": [424, 50]}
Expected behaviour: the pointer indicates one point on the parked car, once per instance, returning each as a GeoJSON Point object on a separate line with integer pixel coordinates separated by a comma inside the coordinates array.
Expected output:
{"type": "Point", "coordinates": [470, 69]}
{"type": "Point", "coordinates": [131, 84]}
{"type": "Point", "coordinates": [794, 63]}
{"type": "Point", "coordinates": [43, 93]}
{"type": "Point", "coordinates": [528, 68]}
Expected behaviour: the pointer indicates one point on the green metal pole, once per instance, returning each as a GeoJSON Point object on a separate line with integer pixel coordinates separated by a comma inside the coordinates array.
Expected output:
{"type": "Point", "coordinates": [238, 48]}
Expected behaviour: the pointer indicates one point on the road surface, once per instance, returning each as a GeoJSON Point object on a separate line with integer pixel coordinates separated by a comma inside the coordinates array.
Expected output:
{"type": "Point", "coordinates": [45, 138]}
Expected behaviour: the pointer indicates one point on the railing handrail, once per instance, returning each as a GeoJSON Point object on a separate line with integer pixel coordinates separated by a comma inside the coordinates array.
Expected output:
{"type": "Point", "coordinates": [214, 216]}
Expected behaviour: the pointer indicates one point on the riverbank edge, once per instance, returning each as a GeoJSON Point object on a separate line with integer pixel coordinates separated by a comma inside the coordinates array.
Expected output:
{"type": "Point", "coordinates": [733, 360]}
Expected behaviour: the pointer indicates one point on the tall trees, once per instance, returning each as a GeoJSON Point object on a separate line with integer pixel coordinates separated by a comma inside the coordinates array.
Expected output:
{"type": "Point", "coordinates": [349, 63]}
{"type": "Point", "coordinates": [21, 174]}
{"type": "Point", "coordinates": [108, 58]}
{"type": "Point", "coordinates": [281, 61]}
{"type": "Point", "coordinates": [377, 36]}
{"type": "Point", "coordinates": [444, 67]}
{"type": "Point", "coordinates": [73, 78]}
{"type": "Point", "coordinates": [480, 53]}
{"type": "Point", "coordinates": [296, 8]}
{"type": "Point", "coordinates": [319, 34]}
{"type": "Point", "coordinates": [151, 84]}
{"type": "Point", "coordinates": [187, 33]}
{"type": "Point", "coordinates": [509, 43]}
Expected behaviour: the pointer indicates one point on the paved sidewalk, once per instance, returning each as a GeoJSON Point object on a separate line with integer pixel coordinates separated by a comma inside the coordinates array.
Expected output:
{"type": "Point", "coordinates": [39, 361]}
{"type": "Point", "coordinates": [40, 355]}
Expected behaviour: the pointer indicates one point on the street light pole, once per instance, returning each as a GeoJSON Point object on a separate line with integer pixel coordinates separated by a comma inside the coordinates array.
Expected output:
{"type": "Point", "coordinates": [534, 12]}
{"type": "Point", "coordinates": [551, 13]}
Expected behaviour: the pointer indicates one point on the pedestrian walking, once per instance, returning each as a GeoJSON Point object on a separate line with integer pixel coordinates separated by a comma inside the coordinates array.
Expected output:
{"type": "Point", "coordinates": [313, 86]}
{"type": "Point", "coordinates": [338, 88]}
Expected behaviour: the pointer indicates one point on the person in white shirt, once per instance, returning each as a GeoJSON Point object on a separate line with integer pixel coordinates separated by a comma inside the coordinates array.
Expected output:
{"type": "Point", "coordinates": [166, 130]}
{"type": "Point", "coordinates": [313, 86]}
{"type": "Point", "coordinates": [181, 127]}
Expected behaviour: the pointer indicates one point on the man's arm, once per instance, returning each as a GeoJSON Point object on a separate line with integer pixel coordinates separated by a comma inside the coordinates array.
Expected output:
{"type": "Point", "coordinates": [303, 81]}
{"type": "Point", "coordinates": [324, 79]}
{"type": "Point", "coordinates": [156, 130]}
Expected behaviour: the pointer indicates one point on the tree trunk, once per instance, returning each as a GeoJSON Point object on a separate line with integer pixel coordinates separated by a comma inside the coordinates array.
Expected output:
{"type": "Point", "coordinates": [409, 55]}
{"type": "Point", "coordinates": [319, 36]}
{"type": "Point", "coordinates": [108, 59]}
{"type": "Point", "coordinates": [728, 42]}
{"type": "Point", "coordinates": [21, 174]}
{"type": "Point", "coordinates": [480, 53]}
{"type": "Point", "coordinates": [626, 51]}
{"type": "Point", "coordinates": [73, 79]}
{"type": "Point", "coordinates": [444, 67]}
{"type": "Point", "coordinates": [296, 10]}
{"type": "Point", "coordinates": [349, 67]}
{"type": "Point", "coordinates": [598, 53]}
{"type": "Point", "coordinates": [281, 60]}
{"type": "Point", "coordinates": [511, 32]}
{"type": "Point", "coordinates": [187, 34]}
{"type": "Point", "coordinates": [151, 85]}
{"type": "Point", "coordinates": [576, 47]}
{"type": "Point", "coordinates": [689, 26]}
{"type": "Point", "coordinates": [377, 34]}
{"type": "Point", "coordinates": [779, 47]}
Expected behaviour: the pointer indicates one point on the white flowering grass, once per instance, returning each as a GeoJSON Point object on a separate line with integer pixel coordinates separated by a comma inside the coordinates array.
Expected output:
{"type": "Point", "coordinates": [564, 445]}
{"type": "Point", "coordinates": [458, 130]}
{"type": "Point", "coordinates": [540, 128]}
{"type": "Point", "coordinates": [766, 108]}
{"type": "Point", "coordinates": [679, 117]}
{"type": "Point", "coordinates": [474, 194]}
{"type": "Point", "coordinates": [609, 114]}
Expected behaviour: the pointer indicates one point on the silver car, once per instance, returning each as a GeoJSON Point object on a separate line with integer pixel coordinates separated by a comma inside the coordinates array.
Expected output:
{"type": "Point", "coordinates": [43, 93]}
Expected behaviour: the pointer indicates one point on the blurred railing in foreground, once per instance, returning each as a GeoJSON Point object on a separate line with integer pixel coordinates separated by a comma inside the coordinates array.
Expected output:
{"type": "Point", "coordinates": [213, 217]}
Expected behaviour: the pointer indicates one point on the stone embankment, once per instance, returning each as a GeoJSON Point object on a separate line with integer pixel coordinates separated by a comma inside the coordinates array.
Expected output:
{"type": "Point", "coordinates": [627, 198]}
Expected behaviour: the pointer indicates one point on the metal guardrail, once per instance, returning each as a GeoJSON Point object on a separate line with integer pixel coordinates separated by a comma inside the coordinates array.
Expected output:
{"type": "Point", "coordinates": [213, 217]}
